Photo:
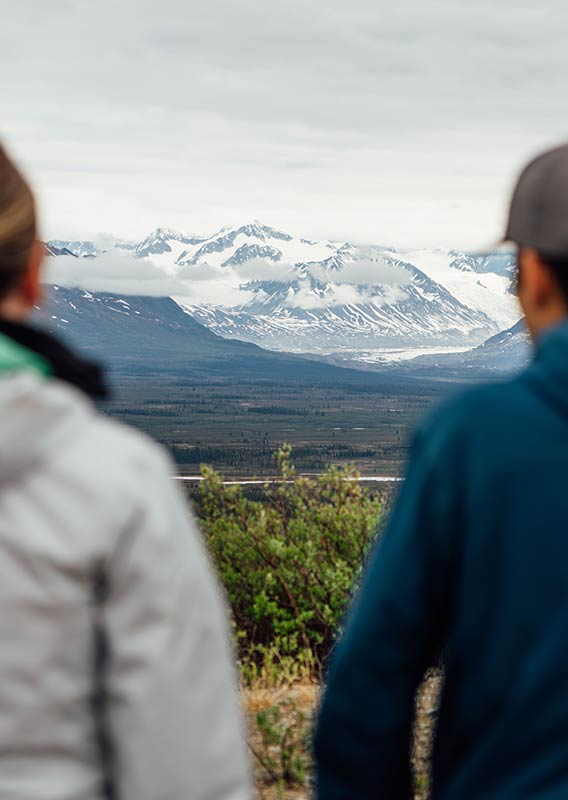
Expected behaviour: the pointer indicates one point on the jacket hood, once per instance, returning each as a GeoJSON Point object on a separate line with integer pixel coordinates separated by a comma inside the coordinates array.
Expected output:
{"type": "Point", "coordinates": [38, 418]}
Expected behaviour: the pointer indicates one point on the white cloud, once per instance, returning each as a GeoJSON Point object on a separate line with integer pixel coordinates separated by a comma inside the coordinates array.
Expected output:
{"type": "Point", "coordinates": [265, 269]}
{"type": "Point", "coordinates": [339, 294]}
{"type": "Point", "coordinates": [389, 123]}
{"type": "Point", "coordinates": [379, 271]}
{"type": "Point", "coordinates": [112, 272]}
{"type": "Point", "coordinates": [119, 272]}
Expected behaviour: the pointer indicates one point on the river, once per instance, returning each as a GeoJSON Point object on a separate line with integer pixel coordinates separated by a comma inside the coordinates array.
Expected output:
{"type": "Point", "coordinates": [262, 481]}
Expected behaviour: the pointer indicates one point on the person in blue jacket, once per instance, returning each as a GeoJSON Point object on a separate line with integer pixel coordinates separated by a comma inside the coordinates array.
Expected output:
{"type": "Point", "coordinates": [473, 570]}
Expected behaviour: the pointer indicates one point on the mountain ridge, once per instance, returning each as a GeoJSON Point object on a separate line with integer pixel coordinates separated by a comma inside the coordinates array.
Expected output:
{"type": "Point", "coordinates": [142, 335]}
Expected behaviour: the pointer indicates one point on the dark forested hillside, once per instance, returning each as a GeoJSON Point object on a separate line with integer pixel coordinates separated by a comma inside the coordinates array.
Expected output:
{"type": "Point", "coordinates": [138, 335]}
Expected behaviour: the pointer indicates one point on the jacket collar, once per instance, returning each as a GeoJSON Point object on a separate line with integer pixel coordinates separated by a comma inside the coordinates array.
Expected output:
{"type": "Point", "coordinates": [553, 338]}
{"type": "Point", "coordinates": [24, 347]}
{"type": "Point", "coordinates": [549, 371]}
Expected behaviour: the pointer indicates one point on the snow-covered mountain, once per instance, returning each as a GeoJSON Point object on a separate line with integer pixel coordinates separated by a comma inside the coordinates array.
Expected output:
{"type": "Point", "coordinates": [77, 248]}
{"type": "Point", "coordinates": [51, 249]}
{"type": "Point", "coordinates": [163, 242]}
{"type": "Point", "coordinates": [504, 353]}
{"type": "Point", "coordinates": [263, 285]}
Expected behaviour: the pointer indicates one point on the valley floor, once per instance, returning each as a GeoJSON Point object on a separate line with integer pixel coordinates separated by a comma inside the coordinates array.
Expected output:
{"type": "Point", "coordinates": [236, 427]}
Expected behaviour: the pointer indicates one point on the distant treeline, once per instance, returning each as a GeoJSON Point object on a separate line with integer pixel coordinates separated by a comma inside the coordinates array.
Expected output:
{"type": "Point", "coordinates": [146, 409]}
{"type": "Point", "coordinates": [286, 411]}
{"type": "Point", "coordinates": [261, 457]}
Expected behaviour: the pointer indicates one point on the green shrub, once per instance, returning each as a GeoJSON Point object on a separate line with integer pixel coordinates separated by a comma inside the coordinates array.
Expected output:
{"type": "Point", "coordinates": [290, 563]}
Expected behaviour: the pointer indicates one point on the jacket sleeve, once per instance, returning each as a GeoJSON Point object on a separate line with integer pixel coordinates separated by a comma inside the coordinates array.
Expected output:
{"type": "Point", "coordinates": [393, 634]}
{"type": "Point", "coordinates": [171, 701]}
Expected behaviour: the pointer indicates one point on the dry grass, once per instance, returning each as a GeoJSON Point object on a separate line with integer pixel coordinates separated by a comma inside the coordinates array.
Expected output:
{"type": "Point", "coordinates": [305, 694]}
{"type": "Point", "coordinates": [426, 707]}
{"type": "Point", "coordinates": [295, 707]}
{"type": "Point", "coordinates": [297, 704]}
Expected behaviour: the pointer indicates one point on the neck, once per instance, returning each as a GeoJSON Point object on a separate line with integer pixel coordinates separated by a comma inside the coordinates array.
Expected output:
{"type": "Point", "coordinates": [538, 327]}
{"type": "Point", "coordinates": [14, 309]}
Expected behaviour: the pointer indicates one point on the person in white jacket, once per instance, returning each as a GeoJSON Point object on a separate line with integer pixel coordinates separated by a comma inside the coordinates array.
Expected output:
{"type": "Point", "coordinates": [116, 672]}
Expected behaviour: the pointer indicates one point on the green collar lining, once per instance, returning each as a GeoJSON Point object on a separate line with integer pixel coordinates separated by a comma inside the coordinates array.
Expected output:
{"type": "Point", "coordinates": [15, 357]}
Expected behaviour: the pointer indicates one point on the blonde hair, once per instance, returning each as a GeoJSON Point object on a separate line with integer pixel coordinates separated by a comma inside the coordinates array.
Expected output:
{"type": "Point", "coordinates": [18, 224]}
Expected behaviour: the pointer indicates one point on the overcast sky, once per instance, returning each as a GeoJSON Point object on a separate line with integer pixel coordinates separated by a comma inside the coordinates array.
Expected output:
{"type": "Point", "coordinates": [349, 119]}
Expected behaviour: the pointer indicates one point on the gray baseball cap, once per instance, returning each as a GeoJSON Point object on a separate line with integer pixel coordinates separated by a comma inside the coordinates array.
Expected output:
{"type": "Point", "coordinates": [538, 215]}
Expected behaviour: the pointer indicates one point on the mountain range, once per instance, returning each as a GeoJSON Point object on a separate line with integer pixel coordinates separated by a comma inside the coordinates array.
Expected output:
{"type": "Point", "coordinates": [265, 286]}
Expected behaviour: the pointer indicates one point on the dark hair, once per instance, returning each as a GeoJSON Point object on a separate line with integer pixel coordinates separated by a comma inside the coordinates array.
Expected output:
{"type": "Point", "coordinates": [18, 224]}
{"type": "Point", "coordinates": [558, 265]}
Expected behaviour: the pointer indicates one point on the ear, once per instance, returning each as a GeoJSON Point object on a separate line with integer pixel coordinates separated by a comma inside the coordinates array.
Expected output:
{"type": "Point", "coordinates": [536, 282]}
{"type": "Point", "coordinates": [30, 287]}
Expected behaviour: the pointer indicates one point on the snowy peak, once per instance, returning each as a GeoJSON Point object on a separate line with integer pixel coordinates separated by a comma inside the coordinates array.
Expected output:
{"type": "Point", "coordinates": [160, 241]}
{"type": "Point", "coordinates": [263, 232]}
{"type": "Point", "coordinates": [229, 246]}
{"type": "Point", "coordinates": [78, 248]}
{"type": "Point", "coordinates": [52, 249]}
{"type": "Point", "coordinates": [253, 240]}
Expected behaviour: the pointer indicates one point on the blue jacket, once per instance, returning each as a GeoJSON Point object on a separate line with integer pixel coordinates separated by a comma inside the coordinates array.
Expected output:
{"type": "Point", "coordinates": [473, 565]}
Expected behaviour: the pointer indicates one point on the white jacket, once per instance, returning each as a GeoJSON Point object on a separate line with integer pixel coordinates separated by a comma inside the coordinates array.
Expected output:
{"type": "Point", "coordinates": [99, 554]}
